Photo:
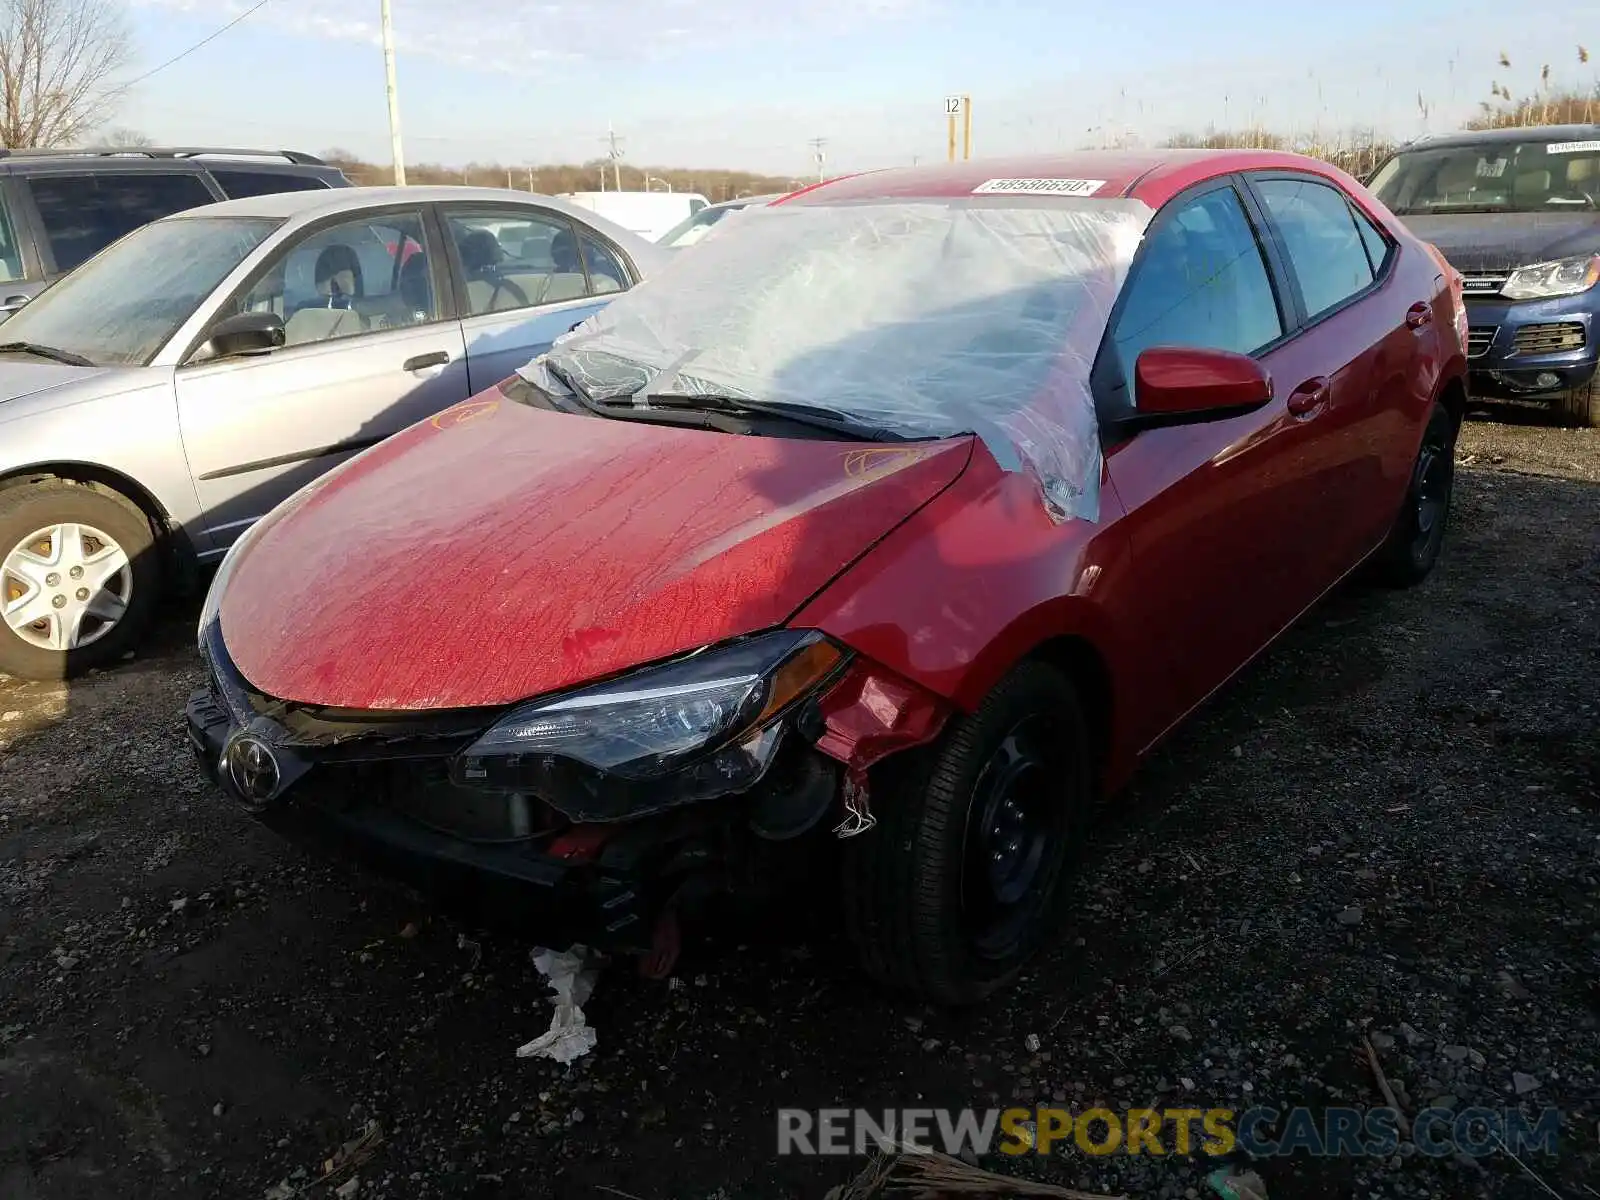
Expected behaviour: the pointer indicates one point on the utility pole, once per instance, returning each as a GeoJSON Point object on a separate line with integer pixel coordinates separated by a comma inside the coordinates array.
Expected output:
{"type": "Point", "coordinates": [819, 154]}
{"type": "Point", "coordinates": [966, 127]}
{"type": "Point", "coordinates": [614, 153]}
{"type": "Point", "coordinates": [394, 96]}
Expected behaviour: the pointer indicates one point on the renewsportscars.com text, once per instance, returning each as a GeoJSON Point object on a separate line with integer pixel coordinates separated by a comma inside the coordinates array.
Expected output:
{"type": "Point", "coordinates": [1261, 1132]}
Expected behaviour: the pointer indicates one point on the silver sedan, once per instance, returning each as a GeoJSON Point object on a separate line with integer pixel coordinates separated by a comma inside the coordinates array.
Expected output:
{"type": "Point", "coordinates": [166, 394]}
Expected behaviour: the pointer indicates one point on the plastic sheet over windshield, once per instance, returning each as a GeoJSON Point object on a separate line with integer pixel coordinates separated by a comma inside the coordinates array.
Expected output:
{"type": "Point", "coordinates": [923, 318]}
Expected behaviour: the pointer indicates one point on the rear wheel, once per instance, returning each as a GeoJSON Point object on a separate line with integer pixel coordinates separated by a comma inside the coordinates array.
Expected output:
{"type": "Point", "coordinates": [1417, 536]}
{"type": "Point", "coordinates": [79, 578]}
{"type": "Point", "coordinates": [962, 880]}
{"type": "Point", "coordinates": [1581, 405]}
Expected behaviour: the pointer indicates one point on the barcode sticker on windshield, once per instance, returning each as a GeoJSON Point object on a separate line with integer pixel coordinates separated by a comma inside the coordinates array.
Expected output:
{"type": "Point", "coordinates": [1039, 187]}
{"type": "Point", "coordinates": [1573, 148]}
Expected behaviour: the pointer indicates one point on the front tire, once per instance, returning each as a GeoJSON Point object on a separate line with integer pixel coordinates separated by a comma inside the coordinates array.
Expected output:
{"type": "Point", "coordinates": [1580, 406]}
{"type": "Point", "coordinates": [962, 881]}
{"type": "Point", "coordinates": [1415, 540]}
{"type": "Point", "coordinates": [79, 578]}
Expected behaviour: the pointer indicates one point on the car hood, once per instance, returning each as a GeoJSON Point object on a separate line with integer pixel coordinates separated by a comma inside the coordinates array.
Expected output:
{"type": "Point", "coordinates": [21, 377]}
{"type": "Point", "coordinates": [1481, 243]}
{"type": "Point", "coordinates": [496, 552]}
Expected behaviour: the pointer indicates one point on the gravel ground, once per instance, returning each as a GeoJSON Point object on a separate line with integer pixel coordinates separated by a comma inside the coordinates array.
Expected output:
{"type": "Point", "coordinates": [1390, 825]}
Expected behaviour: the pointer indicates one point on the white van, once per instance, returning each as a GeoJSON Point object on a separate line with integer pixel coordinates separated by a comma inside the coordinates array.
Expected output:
{"type": "Point", "coordinates": [648, 214]}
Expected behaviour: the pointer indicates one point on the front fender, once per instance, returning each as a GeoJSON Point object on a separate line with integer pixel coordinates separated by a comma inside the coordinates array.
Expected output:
{"type": "Point", "coordinates": [128, 438]}
{"type": "Point", "coordinates": [977, 581]}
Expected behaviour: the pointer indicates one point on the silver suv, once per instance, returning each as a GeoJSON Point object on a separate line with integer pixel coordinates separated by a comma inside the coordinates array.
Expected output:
{"type": "Point", "coordinates": [159, 399]}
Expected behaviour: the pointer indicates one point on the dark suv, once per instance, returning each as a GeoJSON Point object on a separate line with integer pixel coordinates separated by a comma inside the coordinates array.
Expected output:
{"type": "Point", "coordinates": [60, 207]}
{"type": "Point", "coordinates": [1517, 212]}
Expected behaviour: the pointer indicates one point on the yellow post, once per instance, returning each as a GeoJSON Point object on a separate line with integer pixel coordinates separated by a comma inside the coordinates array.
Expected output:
{"type": "Point", "coordinates": [966, 130]}
{"type": "Point", "coordinates": [952, 137]}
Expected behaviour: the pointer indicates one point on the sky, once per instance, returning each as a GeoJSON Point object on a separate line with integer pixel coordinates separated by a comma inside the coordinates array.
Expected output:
{"type": "Point", "coordinates": [747, 84]}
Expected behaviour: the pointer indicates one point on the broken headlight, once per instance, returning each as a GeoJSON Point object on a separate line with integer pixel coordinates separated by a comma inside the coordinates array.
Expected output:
{"type": "Point", "coordinates": [699, 727]}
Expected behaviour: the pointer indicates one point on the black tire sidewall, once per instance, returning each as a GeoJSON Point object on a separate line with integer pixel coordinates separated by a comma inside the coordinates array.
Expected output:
{"type": "Point", "coordinates": [1399, 564]}
{"type": "Point", "coordinates": [948, 967]}
{"type": "Point", "coordinates": [1424, 562]}
{"type": "Point", "coordinates": [1581, 405]}
{"type": "Point", "coordinates": [34, 506]}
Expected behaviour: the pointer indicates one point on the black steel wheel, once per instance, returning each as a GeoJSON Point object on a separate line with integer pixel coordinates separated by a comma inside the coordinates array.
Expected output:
{"type": "Point", "coordinates": [962, 881]}
{"type": "Point", "coordinates": [1417, 536]}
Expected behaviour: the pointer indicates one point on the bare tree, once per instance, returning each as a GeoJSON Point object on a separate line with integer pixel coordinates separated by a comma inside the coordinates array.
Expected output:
{"type": "Point", "coordinates": [58, 63]}
{"type": "Point", "coordinates": [126, 139]}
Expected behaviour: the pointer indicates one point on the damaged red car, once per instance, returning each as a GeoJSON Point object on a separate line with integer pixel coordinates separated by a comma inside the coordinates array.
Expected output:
{"type": "Point", "coordinates": [882, 535]}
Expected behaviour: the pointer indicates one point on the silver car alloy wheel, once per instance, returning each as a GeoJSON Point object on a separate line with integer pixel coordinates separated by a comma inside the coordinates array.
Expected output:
{"type": "Point", "coordinates": [65, 586]}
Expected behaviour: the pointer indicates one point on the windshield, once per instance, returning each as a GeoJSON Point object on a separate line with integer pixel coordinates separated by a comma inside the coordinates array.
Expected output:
{"type": "Point", "coordinates": [689, 231]}
{"type": "Point", "coordinates": [121, 306]}
{"type": "Point", "coordinates": [1536, 176]}
{"type": "Point", "coordinates": [926, 318]}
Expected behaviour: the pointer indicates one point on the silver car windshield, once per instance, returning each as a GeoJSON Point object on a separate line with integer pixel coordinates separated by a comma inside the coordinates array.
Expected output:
{"type": "Point", "coordinates": [121, 307]}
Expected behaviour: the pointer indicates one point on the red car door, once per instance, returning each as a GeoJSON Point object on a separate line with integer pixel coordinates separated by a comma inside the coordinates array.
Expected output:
{"type": "Point", "coordinates": [1360, 337]}
{"type": "Point", "coordinates": [1223, 517]}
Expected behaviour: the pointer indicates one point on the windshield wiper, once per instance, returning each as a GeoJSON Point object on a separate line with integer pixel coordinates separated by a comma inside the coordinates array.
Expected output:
{"type": "Point", "coordinates": [828, 419]}
{"type": "Point", "coordinates": [1422, 210]}
{"type": "Point", "coordinates": [50, 352]}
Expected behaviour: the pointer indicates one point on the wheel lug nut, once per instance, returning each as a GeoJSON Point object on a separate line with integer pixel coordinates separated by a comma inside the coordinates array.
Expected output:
{"type": "Point", "coordinates": [52, 579]}
{"type": "Point", "coordinates": [76, 572]}
{"type": "Point", "coordinates": [83, 593]}
{"type": "Point", "coordinates": [59, 601]}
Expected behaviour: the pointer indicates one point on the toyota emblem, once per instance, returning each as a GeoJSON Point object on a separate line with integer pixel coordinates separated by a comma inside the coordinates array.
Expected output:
{"type": "Point", "coordinates": [253, 769]}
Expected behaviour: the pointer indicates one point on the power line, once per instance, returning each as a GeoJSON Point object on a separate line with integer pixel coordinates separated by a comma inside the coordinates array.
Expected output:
{"type": "Point", "coordinates": [213, 37]}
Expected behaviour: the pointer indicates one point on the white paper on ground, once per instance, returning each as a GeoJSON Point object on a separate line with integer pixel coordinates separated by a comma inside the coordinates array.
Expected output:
{"type": "Point", "coordinates": [571, 974]}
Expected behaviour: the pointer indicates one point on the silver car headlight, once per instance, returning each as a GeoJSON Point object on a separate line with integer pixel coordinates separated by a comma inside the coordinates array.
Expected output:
{"type": "Point", "coordinates": [705, 725]}
{"type": "Point", "coordinates": [1561, 277]}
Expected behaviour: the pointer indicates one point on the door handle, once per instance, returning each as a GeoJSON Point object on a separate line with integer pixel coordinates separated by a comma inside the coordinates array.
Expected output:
{"type": "Point", "coordinates": [438, 358]}
{"type": "Point", "coordinates": [1418, 315]}
{"type": "Point", "coordinates": [1310, 396]}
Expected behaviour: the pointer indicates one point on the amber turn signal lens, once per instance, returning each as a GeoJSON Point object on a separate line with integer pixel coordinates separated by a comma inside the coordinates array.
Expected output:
{"type": "Point", "coordinates": [798, 676]}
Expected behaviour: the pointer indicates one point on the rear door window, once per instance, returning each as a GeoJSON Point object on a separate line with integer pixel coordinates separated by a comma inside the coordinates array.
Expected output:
{"type": "Point", "coordinates": [262, 183]}
{"type": "Point", "coordinates": [83, 214]}
{"type": "Point", "coordinates": [522, 259]}
{"type": "Point", "coordinates": [1377, 245]}
{"type": "Point", "coordinates": [1326, 251]}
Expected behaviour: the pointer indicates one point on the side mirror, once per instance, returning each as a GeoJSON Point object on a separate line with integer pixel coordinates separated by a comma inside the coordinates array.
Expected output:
{"type": "Point", "coordinates": [1185, 385]}
{"type": "Point", "coordinates": [245, 333]}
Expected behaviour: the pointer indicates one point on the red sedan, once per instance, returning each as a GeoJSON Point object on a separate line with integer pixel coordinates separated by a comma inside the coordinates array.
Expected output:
{"type": "Point", "coordinates": [885, 533]}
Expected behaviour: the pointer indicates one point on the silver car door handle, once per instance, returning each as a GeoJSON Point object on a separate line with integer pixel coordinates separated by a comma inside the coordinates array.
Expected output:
{"type": "Point", "coordinates": [438, 358]}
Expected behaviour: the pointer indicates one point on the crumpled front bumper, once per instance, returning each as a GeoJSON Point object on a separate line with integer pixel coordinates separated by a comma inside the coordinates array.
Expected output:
{"type": "Point", "coordinates": [560, 898]}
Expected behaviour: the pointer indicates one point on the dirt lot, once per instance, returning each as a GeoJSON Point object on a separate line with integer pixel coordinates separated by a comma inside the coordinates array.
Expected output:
{"type": "Point", "coordinates": [1391, 824]}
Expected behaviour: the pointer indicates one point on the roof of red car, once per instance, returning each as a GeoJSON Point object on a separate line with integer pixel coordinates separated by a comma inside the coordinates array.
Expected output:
{"type": "Point", "coordinates": [1153, 176]}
